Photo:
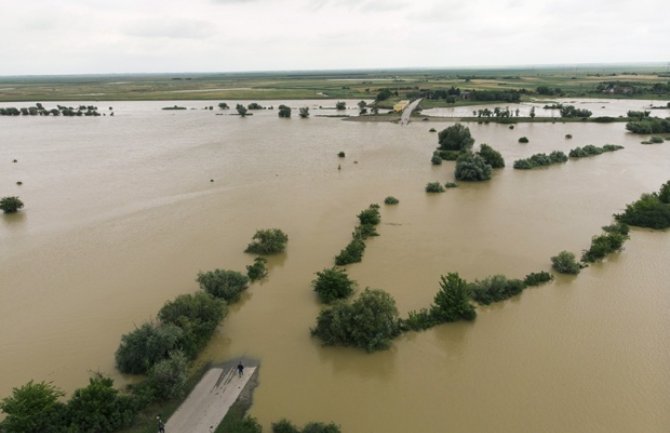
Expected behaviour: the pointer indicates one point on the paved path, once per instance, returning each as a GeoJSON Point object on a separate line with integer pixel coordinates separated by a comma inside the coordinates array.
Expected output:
{"type": "Point", "coordinates": [407, 112]}
{"type": "Point", "coordinates": [208, 403]}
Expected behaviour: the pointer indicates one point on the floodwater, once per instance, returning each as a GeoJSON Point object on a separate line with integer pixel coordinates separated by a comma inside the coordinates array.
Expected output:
{"type": "Point", "coordinates": [121, 214]}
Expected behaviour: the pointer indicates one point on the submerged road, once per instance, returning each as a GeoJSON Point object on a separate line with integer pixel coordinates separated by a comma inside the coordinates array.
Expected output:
{"type": "Point", "coordinates": [208, 403]}
{"type": "Point", "coordinates": [407, 112]}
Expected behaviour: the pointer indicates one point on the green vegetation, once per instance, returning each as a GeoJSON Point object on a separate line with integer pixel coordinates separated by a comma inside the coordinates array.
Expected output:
{"type": "Point", "coordinates": [433, 187]}
{"type": "Point", "coordinates": [370, 216]}
{"type": "Point", "coordinates": [494, 289]}
{"type": "Point", "coordinates": [340, 105]}
{"type": "Point", "coordinates": [451, 302]}
{"type": "Point", "coordinates": [650, 125]}
{"type": "Point", "coordinates": [223, 106]}
{"type": "Point", "coordinates": [223, 284]}
{"type": "Point", "coordinates": [605, 244]}
{"type": "Point", "coordinates": [352, 253]}
{"type": "Point", "coordinates": [255, 106]}
{"type": "Point", "coordinates": [590, 150]}
{"type": "Point", "coordinates": [167, 378]}
{"type": "Point", "coordinates": [523, 140]}
{"type": "Point", "coordinates": [651, 210]}
{"type": "Point", "coordinates": [341, 154]}
{"type": "Point", "coordinates": [565, 263]}
{"type": "Point", "coordinates": [571, 111]}
{"type": "Point", "coordinates": [655, 139]}
{"type": "Point", "coordinates": [391, 200]}
{"type": "Point", "coordinates": [436, 159]}
{"type": "Point", "coordinates": [537, 278]}
{"type": "Point", "coordinates": [267, 241]}
{"type": "Point", "coordinates": [142, 348]}
{"type": "Point", "coordinates": [241, 110]}
{"type": "Point", "coordinates": [455, 138]}
{"type": "Point", "coordinates": [285, 426]}
{"type": "Point", "coordinates": [491, 156]}
{"type": "Point", "coordinates": [332, 285]}
{"type": "Point", "coordinates": [451, 185]}
{"type": "Point", "coordinates": [10, 204]}
{"type": "Point", "coordinates": [471, 167]}
{"type": "Point", "coordinates": [284, 111]}
{"type": "Point", "coordinates": [540, 160]}
{"type": "Point", "coordinates": [370, 322]}
{"type": "Point", "coordinates": [61, 110]}
{"type": "Point", "coordinates": [174, 107]}
{"type": "Point", "coordinates": [258, 270]}
{"type": "Point", "coordinates": [303, 112]}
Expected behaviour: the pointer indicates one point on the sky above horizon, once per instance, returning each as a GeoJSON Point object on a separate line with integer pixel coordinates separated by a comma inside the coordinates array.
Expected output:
{"type": "Point", "coordinates": [44, 37]}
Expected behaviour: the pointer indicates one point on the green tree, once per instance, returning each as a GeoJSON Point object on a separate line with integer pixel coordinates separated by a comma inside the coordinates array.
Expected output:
{"type": "Point", "coordinates": [304, 112]}
{"type": "Point", "coordinates": [197, 315]}
{"type": "Point", "coordinates": [241, 110]}
{"type": "Point", "coordinates": [99, 408]}
{"type": "Point", "coordinates": [268, 241]}
{"type": "Point", "coordinates": [223, 284]}
{"type": "Point", "coordinates": [565, 263]}
{"type": "Point", "coordinates": [352, 253]}
{"type": "Point", "coordinates": [456, 137]}
{"type": "Point", "coordinates": [167, 378]}
{"type": "Point", "coordinates": [284, 111]}
{"type": "Point", "coordinates": [10, 204]}
{"type": "Point", "coordinates": [333, 284]}
{"type": "Point", "coordinates": [370, 216]}
{"type": "Point", "coordinates": [223, 106]}
{"type": "Point", "coordinates": [472, 168]}
{"type": "Point", "coordinates": [491, 156]}
{"type": "Point", "coordinates": [532, 112]}
{"type": "Point", "coordinates": [145, 346]}
{"type": "Point", "coordinates": [32, 408]}
{"type": "Point", "coordinates": [258, 270]}
{"type": "Point", "coordinates": [341, 105]}
{"type": "Point", "coordinates": [452, 301]}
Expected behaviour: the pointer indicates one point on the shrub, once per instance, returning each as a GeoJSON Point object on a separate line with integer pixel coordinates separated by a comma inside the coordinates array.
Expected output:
{"type": "Point", "coordinates": [571, 111]}
{"type": "Point", "coordinates": [655, 139]}
{"type": "Point", "coordinates": [10, 204]}
{"type": "Point", "coordinates": [603, 245]}
{"type": "Point", "coordinates": [472, 168]}
{"type": "Point", "coordinates": [370, 216]}
{"type": "Point", "coordinates": [417, 321]}
{"type": "Point", "coordinates": [494, 289]}
{"type": "Point", "coordinates": [258, 269]}
{"type": "Point", "coordinates": [145, 346]}
{"type": "Point", "coordinates": [98, 407]}
{"type": "Point", "coordinates": [451, 185]}
{"type": "Point", "coordinates": [568, 136]}
{"type": "Point", "coordinates": [651, 125]}
{"type": "Point", "coordinates": [391, 200]}
{"type": "Point", "coordinates": [352, 253]}
{"type": "Point", "coordinates": [364, 231]}
{"type": "Point", "coordinates": [456, 137]}
{"type": "Point", "coordinates": [432, 130]}
{"type": "Point", "coordinates": [523, 140]}
{"type": "Point", "coordinates": [341, 154]}
{"type": "Point", "coordinates": [433, 187]}
{"type": "Point", "coordinates": [565, 263]}
{"type": "Point", "coordinates": [223, 284]}
{"type": "Point", "coordinates": [540, 160]}
{"type": "Point", "coordinates": [651, 210]}
{"type": "Point", "coordinates": [32, 408]}
{"type": "Point", "coordinates": [285, 426]}
{"type": "Point", "coordinates": [255, 106]}
{"type": "Point", "coordinates": [557, 157]}
{"type": "Point", "coordinates": [333, 284]}
{"type": "Point", "coordinates": [491, 156]}
{"type": "Point", "coordinates": [664, 193]}
{"type": "Point", "coordinates": [619, 228]}
{"type": "Point", "coordinates": [452, 301]}
{"type": "Point", "coordinates": [436, 159]}
{"type": "Point", "coordinates": [268, 241]}
{"type": "Point", "coordinates": [284, 111]}
{"type": "Point", "coordinates": [340, 105]}
{"type": "Point", "coordinates": [197, 315]}
{"type": "Point", "coordinates": [304, 112]}
{"type": "Point", "coordinates": [449, 155]}
{"type": "Point", "coordinates": [241, 110]}
{"type": "Point", "coordinates": [370, 322]}
{"type": "Point", "coordinates": [537, 278]}
{"type": "Point", "coordinates": [167, 378]}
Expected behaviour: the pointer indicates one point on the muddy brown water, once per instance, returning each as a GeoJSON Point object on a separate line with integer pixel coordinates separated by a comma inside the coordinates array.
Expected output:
{"type": "Point", "coordinates": [121, 214]}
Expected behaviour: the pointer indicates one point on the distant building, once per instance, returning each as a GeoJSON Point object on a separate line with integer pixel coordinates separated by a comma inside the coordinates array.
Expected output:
{"type": "Point", "coordinates": [400, 105]}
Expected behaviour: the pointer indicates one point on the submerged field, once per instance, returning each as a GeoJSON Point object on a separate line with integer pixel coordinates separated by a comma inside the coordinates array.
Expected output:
{"type": "Point", "coordinates": [121, 215]}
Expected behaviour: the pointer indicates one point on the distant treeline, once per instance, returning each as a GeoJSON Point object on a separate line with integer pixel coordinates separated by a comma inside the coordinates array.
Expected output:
{"type": "Point", "coordinates": [61, 110]}
{"type": "Point", "coordinates": [633, 88]}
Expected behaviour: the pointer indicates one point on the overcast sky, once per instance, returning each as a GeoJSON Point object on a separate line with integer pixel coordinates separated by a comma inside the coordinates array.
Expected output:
{"type": "Point", "coordinates": [116, 36]}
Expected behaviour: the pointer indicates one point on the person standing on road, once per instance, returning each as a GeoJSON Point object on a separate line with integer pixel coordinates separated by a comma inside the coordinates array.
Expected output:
{"type": "Point", "coordinates": [240, 369]}
{"type": "Point", "coordinates": [161, 426]}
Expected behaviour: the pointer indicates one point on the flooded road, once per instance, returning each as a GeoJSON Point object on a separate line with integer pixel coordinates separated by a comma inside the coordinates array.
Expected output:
{"type": "Point", "coordinates": [120, 216]}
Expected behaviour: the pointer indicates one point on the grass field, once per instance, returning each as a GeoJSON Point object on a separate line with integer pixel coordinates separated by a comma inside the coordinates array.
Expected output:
{"type": "Point", "coordinates": [574, 81]}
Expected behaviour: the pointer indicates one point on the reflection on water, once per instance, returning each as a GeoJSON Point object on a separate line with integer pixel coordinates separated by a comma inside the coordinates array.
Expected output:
{"type": "Point", "coordinates": [120, 216]}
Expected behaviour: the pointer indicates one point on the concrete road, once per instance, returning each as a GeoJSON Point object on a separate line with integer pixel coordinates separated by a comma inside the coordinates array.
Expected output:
{"type": "Point", "coordinates": [208, 403]}
{"type": "Point", "coordinates": [407, 112]}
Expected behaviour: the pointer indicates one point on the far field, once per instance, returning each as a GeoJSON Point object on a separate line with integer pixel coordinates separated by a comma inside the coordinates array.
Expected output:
{"type": "Point", "coordinates": [641, 82]}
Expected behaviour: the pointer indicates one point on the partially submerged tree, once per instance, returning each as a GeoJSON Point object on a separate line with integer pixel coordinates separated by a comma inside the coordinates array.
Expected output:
{"type": "Point", "coordinates": [304, 112]}
{"type": "Point", "coordinates": [10, 204]}
{"type": "Point", "coordinates": [241, 110]}
{"type": "Point", "coordinates": [223, 284]}
{"type": "Point", "coordinates": [452, 301]}
{"type": "Point", "coordinates": [472, 168]}
{"type": "Point", "coordinates": [268, 241]}
{"type": "Point", "coordinates": [456, 137]}
{"type": "Point", "coordinates": [333, 284]}
{"type": "Point", "coordinates": [284, 111]}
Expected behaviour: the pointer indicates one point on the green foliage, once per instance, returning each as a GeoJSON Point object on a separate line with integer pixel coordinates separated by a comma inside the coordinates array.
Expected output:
{"type": "Point", "coordinates": [418, 320]}
{"type": "Point", "coordinates": [589, 150]}
{"type": "Point", "coordinates": [241, 110]}
{"type": "Point", "coordinates": [258, 270]}
{"type": "Point", "coordinates": [451, 185]}
{"type": "Point", "coordinates": [494, 289]}
{"type": "Point", "coordinates": [540, 160]}
{"type": "Point", "coordinates": [167, 378]}
{"type": "Point", "coordinates": [571, 111]}
{"type": "Point", "coordinates": [10, 204]}
{"type": "Point", "coordinates": [651, 125]}
{"type": "Point", "coordinates": [268, 241]}
{"type": "Point", "coordinates": [456, 137]}
{"type": "Point", "coordinates": [98, 408]}
{"type": "Point", "coordinates": [341, 154]}
{"type": "Point", "coordinates": [449, 155]}
{"type": "Point", "coordinates": [284, 111]}
{"type": "Point", "coordinates": [333, 284]}
{"type": "Point", "coordinates": [370, 216]}
{"type": "Point", "coordinates": [537, 278]}
{"type": "Point", "coordinates": [352, 253]}
{"type": "Point", "coordinates": [472, 168]}
{"type": "Point", "coordinates": [391, 200]}
{"type": "Point", "coordinates": [285, 426]}
{"type": "Point", "coordinates": [244, 424]}
{"type": "Point", "coordinates": [523, 140]}
{"type": "Point", "coordinates": [655, 139]}
{"type": "Point", "coordinates": [565, 263]}
{"type": "Point", "coordinates": [433, 187]}
{"type": "Point", "coordinates": [451, 302]}
{"type": "Point", "coordinates": [436, 159]}
{"type": "Point", "coordinates": [364, 231]}
{"type": "Point", "coordinates": [223, 106]}
{"type": "Point", "coordinates": [603, 245]}
{"type": "Point", "coordinates": [341, 105]}
{"type": "Point", "coordinates": [383, 95]}
{"type": "Point", "coordinates": [197, 315]}
{"type": "Point", "coordinates": [491, 156]}
{"type": "Point", "coordinates": [304, 112]}
{"type": "Point", "coordinates": [370, 322]}
{"type": "Point", "coordinates": [651, 210]}
{"type": "Point", "coordinates": [255, 106]}
{"type": "Point", "coordinates": [145, 346]}
{"type": "Point", "coordinates": [32, 408]}
{"type": "Point", "coordinates": [223, 284]}
{"type": "Point", "coordinates": [638, 114]}
{"type": "Point", "coordinates": [618, 227]}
